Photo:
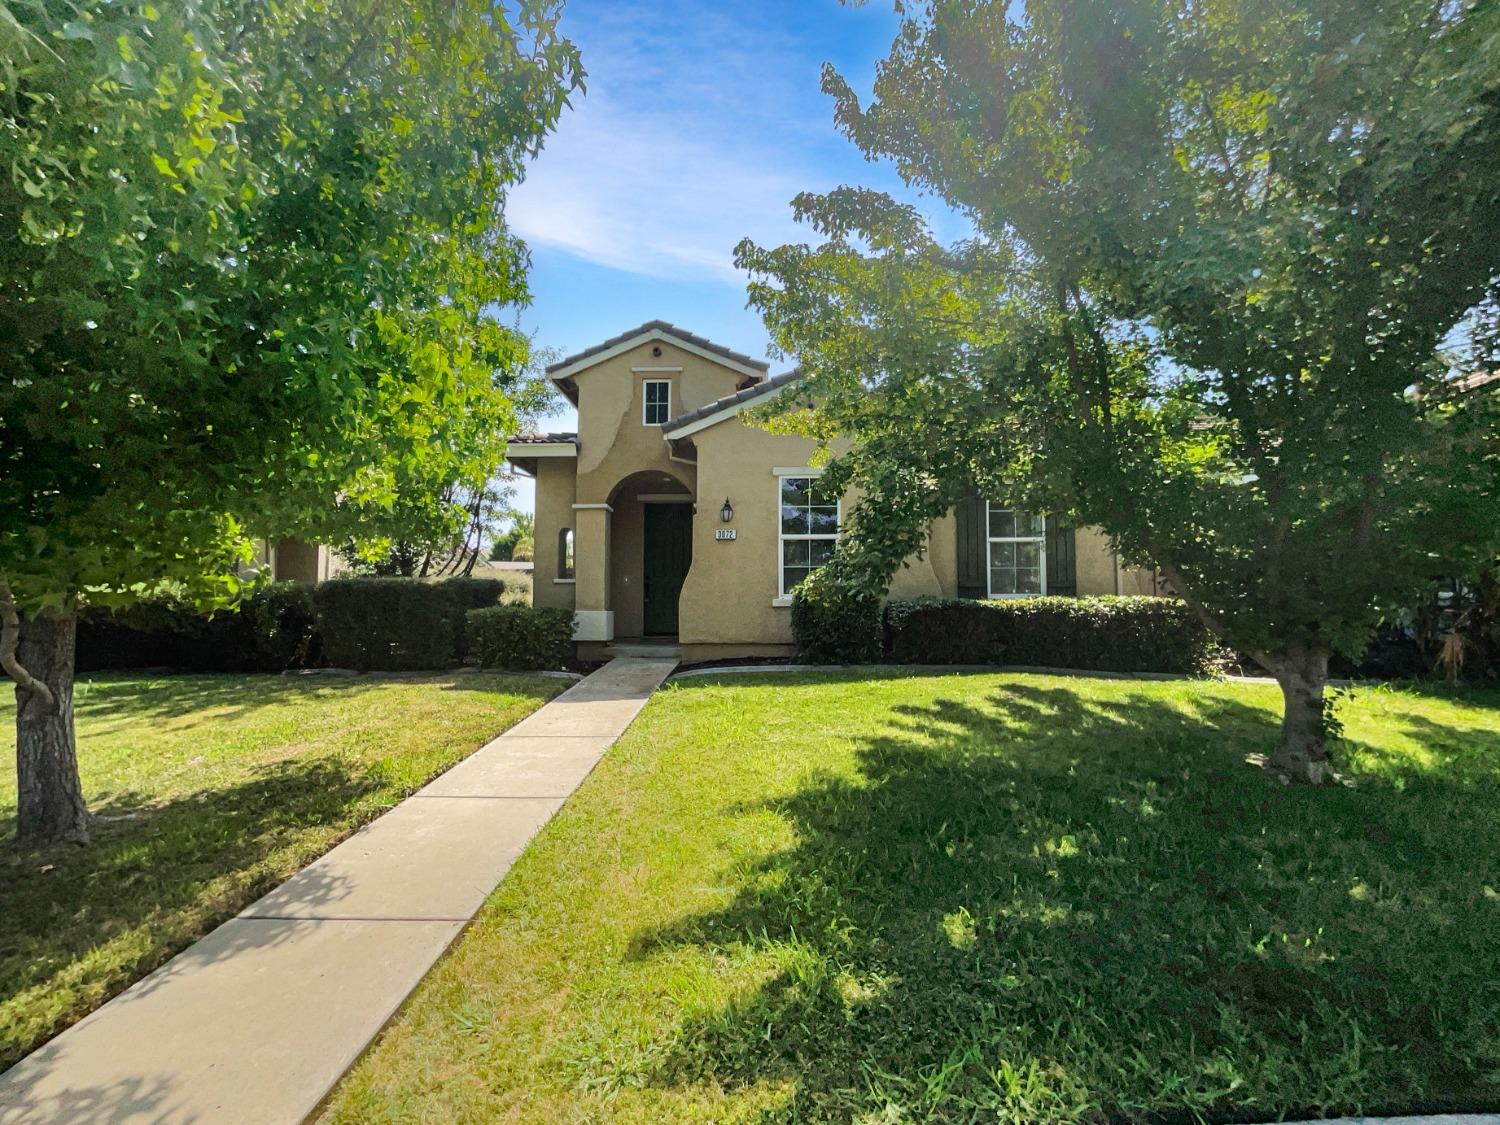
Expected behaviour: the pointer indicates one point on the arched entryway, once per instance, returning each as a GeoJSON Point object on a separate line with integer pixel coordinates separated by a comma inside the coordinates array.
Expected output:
{"type": "Point", "coordinates": [651, 551]}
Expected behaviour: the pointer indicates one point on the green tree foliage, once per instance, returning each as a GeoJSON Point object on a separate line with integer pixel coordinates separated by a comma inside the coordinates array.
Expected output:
{"type": "Point", "coordinates": [522, 526]}
{"type": "Point", "coordinates": [1221, 254]}
{"type": "Point", "coordinates": [248, 252]}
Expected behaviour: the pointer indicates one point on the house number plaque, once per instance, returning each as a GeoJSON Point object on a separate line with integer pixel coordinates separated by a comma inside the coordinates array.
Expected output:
{"type": "Point", "coordinates": [724, 533]}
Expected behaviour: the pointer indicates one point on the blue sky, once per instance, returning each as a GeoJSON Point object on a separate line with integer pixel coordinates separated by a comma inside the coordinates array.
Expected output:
{"type": "Point", "coordinates": [700, 123]}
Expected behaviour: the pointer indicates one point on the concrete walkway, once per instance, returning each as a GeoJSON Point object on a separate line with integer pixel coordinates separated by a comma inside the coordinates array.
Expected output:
{"type": "Point", "coordinates": [258, 1020]}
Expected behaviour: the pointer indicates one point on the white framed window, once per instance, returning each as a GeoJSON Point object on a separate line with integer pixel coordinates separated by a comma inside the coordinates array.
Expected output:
{"type": "Point", "coordinates": [656, 399]}
{"type": "Point", "coordinates": [565, 553]}
{"type": "Point", "coordinates": [808, 530]}
{"type": "Point", "coordinates": [1017, 552]}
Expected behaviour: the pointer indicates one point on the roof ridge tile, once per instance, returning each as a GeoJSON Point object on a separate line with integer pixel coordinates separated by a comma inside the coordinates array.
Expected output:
{"type": "Point", "coordinates": [670, 329]}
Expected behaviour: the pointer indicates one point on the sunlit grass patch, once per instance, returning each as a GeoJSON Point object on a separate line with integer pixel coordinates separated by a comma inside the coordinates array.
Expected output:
{"type": "Point", "coordinates": [989, 897]}
{"type": "Point", "coordinates": [210, 790]}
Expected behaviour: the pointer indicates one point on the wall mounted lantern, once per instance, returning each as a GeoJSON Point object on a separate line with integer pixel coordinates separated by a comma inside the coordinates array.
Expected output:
{"type": "Point", "coordinates": [726, 513]}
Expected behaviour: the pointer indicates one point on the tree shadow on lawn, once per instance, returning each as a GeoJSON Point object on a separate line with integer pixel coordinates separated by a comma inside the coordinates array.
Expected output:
{"type": "Point", "coordinates": [155, 873]}
{"type": "Point", "coordinates": [1061, 908]}
{"type": "Point", "coordinates": [122, 697]}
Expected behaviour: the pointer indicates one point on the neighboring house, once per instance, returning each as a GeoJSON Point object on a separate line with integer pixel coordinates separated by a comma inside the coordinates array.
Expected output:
{"type": "Point", "coordinates": [296, 560]}
{"type": "Point", "coordinates": [667, 515]}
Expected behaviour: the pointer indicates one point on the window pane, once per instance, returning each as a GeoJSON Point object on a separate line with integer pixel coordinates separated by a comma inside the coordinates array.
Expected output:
{"type": "Point", "coordinates": [1028, 554]}
{"type": "Point", "coordinates": [1002, 581]}
{"type": "Point", "coordinates": [1002, 522]}
{"type": "Point", "coordinates": [820, 550]}
{"type": "Point", "coordinates": [797, 552]}
{"type": "Point", "coordinates": [823, 521]}
{"type": "Point", "coordinates": [795, 490]}
{"type": "Point", "coordinates": [793, 576]}
{"type": "Point", "coordinates": [819, 495]}
{"type": "Point", "coordinates": [1015, 523]}
{"type": "Point", "coordinates": [1002, 555]}
{"type": "Point", "coordinates": [1028, 581]}
{"type": "Point", "coordinates": [658, 396]}
{"type": "Point", "coordinates": [794, 521]}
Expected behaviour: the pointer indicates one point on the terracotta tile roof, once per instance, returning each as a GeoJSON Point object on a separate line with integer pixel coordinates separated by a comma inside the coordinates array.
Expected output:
{"type": "Point", "coordinates": [668, 329]}
{"type": "Point", "coordinates": [1476, 379]}
{"type": "Point", "coordinates": [757, 390]}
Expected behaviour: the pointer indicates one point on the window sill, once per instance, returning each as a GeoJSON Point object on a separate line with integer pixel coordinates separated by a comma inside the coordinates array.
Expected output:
{"type": "Point", "coordinates": [781, 603]}
{"type": "Point", "coordinates": [564, 581]}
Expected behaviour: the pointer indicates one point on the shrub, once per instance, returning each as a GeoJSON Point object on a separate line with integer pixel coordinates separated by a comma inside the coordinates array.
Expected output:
{"type": "Point", "coordinates": [467, 594]}
{"type": "Point", "coordinates": [831, 626]}
{"type": "Point", "coordinates": [269, 631]}
{"type": "Point", "coordinates": [943, 631]}
{"type": "Point", "coordinates": [521, 638]}
{"type": "Point", "coordinates": [397, 624]}
{"type": "Point", "coordinates": [1104, 634]}
{"type": "Point", "coordinates": [274, 630]}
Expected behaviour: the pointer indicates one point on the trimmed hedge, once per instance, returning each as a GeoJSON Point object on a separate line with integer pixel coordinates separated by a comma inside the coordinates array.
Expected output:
{"type": "Point", "coordinates": [944, 631]}
{"type": "Point", "coordinates": [832, 627]}
{"type": "Point", "coordinates": [270, 631]}
{"type": "Point", "coordinates": [397, 624]}
{"type": "Point", "coordinates": [521, 638]}
{"type": "Point", "coordinates": [1103, 634]}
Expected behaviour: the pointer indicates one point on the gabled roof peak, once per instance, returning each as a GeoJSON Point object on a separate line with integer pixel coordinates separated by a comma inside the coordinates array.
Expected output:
{"type": "Point", "coordinates": [751, 368]}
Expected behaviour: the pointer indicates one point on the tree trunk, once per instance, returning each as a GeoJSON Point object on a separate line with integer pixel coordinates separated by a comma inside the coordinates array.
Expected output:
{"type": "Point", "coordinates": [50, 807]}
{"type": "Point", "coordinates": [1302, 751]}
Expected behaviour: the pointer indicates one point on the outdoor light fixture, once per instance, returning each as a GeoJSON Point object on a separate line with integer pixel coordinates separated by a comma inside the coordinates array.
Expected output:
{"type": "Point", "coordinates": [726, 513]}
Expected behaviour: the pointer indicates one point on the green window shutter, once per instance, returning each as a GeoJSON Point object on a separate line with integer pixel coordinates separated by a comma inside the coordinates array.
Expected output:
{"type": "Point", "coordinates": [1062, 558]}
{"type": "Point", "coordinates": [973, 547]}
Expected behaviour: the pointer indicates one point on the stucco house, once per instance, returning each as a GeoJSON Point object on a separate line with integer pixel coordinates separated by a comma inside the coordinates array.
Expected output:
{"type": "Point", "coordinates": [668, 516]}
{"type": "Point", "coordinates": [297, 560]}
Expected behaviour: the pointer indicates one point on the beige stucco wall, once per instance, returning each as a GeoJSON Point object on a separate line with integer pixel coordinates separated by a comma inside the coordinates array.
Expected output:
{"type": "Point", "coordinates": [297, 560]}
{"type": "Point", "coordinates": [1095, 561]}
{"type": "Point", "coordinates": [613, 441]}
{"type": "Point", "coordinates": [731, 593]}
{"type": "Point", "coordinates": [1101, 572]}
{"type": "Point", "coordinates": [555, 496]}
{"type": "Point", "coordinates": [627, 541]}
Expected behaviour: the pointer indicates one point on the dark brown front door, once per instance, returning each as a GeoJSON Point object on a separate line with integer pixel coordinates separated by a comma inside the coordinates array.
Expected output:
{"type": "Point", "coordinates": [669, 553]}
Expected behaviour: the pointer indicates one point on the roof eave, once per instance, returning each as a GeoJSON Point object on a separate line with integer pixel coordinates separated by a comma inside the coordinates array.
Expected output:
{"type": "Point", "coordinates": [723, 414]}
{"type": "Point", "coordinates": [568, 369]}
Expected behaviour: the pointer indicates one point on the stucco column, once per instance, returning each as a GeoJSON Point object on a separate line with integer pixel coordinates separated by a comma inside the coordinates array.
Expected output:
{"type": "Point", "coordinates": [594, 618]}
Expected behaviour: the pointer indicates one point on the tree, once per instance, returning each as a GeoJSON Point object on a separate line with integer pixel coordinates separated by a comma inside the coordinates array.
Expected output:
{"type": "Point", "coordinates": [522, 528]}
{"type": "Point", "coordinates": [248, 255]}
{"type": "Point", "coordinates": [474, 492]}
{"type": "Point", "coordinates": [1222, 252]}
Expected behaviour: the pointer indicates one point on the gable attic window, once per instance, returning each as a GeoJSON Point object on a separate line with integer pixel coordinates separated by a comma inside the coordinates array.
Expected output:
{"type": "Point", "coordinates": [656, 394]}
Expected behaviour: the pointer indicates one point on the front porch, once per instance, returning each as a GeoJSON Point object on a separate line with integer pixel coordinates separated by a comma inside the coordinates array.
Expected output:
{"type": "Point", "coordinates": [633, 552]}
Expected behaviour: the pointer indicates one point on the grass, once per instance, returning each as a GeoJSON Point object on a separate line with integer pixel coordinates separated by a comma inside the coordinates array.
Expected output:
{"type": "Point", "coordinates": [210, 790]}
{"type": "Point", "coordinates": [990, 897]}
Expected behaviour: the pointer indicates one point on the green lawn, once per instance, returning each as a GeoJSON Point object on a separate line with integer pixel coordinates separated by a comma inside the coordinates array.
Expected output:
{"type": "Point", "coordinates": [1008, 897]}
{"type": "Point", "coordinates": [211, 790]}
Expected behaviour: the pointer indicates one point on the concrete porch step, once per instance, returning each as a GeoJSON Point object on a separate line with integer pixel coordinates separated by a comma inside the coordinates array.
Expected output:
{"type": "Point", "coordinates": [652, 648]}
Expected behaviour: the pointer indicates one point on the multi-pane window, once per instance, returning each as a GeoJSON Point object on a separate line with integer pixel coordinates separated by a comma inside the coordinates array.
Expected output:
{"type": "Point", "coordinates": [1018, 552]}
{"type": "Point", "coordinates": [809, 529]}
{"type": "Point", "coordinates": [657, 394]}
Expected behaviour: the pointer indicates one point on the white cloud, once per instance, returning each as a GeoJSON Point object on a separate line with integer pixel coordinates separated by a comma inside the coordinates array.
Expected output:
{"type": "Point", "coordinates": [640, 194]}
{"type": "Point", "coordinates": [697, 129]}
